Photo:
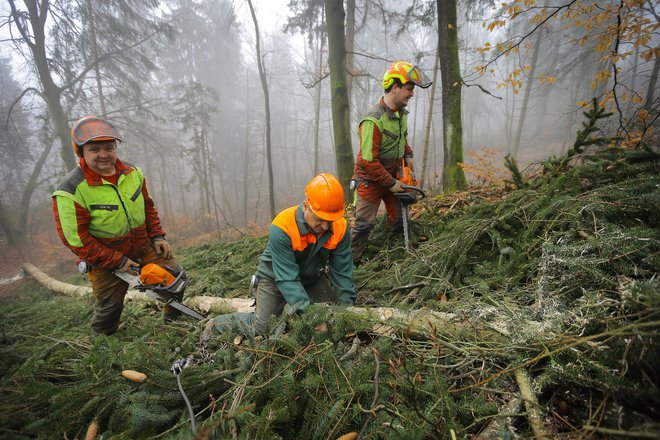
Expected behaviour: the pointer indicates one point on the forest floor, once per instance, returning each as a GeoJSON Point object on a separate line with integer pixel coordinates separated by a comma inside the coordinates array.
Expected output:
{"type": "Point", "coordinates": [553, 284]}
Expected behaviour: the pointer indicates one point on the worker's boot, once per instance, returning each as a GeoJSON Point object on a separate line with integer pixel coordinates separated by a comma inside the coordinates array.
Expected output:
{"type": "Point", "coordinates": [359, 244]}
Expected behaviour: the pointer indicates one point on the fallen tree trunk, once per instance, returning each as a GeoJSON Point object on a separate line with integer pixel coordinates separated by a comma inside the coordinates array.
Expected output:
{"type": "Point", "coordinates": [207, 304]}
{"type": "Point", "coordinates": [417, 323]}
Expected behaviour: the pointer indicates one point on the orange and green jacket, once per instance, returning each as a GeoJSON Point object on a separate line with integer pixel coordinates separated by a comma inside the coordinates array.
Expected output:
{"type": "Point", "coordinates": [383, 140]}
{"type": "Point", "coordinates": [295, 257]}
{"type": "Point", "coordinates": [103, 223]}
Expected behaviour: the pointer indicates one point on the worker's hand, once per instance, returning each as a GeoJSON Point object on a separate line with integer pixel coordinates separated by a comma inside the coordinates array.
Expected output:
{"type": "Point", "coordinates": [162, 248]}
{"type": "Point", "coordinates": [410, 163]}
{"type": "Point", "coordinates": [396, 187]}
{"type": "Point", "coordinates": [129, 266]}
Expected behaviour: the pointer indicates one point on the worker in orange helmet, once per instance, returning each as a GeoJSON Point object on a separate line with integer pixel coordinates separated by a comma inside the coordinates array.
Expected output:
{"type": "Point", "coordinates": [104, 214]}
{"type": "Point", "coordinates": [383, 134]}
{"type": "Point", "coordinates": [307, 259]}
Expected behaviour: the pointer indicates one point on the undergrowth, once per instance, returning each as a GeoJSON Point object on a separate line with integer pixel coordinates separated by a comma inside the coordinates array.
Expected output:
{"type": "Point", "coordinates": [559, 277]}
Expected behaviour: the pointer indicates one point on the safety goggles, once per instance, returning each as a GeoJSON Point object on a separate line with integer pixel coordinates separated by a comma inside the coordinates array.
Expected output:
{"type": "Point", "coordinates": [417, 77]}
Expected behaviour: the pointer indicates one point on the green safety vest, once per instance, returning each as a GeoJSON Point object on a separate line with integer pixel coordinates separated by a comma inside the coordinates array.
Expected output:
{"type": "Point", "coordinates": [394, 132]}
{"type": "Point", "coordinates": [115, 210]}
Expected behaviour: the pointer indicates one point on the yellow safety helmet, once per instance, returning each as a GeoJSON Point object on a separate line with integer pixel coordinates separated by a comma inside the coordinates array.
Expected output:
{"type": "Point", "coordinates": [405, 72]}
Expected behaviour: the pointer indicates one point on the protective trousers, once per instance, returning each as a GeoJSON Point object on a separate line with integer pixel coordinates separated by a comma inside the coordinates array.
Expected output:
{"type": "Point", "coordinates": [366, 211]}
{"type": "Point", "coordinates": [270, 302]}
{"type": "Point", "coordinates": [109, 292]}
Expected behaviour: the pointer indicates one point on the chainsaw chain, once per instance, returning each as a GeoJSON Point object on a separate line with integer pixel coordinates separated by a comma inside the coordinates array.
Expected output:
{"type": "Point", "coordinates": [205, 357]}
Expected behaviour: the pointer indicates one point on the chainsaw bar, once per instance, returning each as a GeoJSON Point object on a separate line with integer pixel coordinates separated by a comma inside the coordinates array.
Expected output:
{"type": "Point", "coordinates": [175, 304]}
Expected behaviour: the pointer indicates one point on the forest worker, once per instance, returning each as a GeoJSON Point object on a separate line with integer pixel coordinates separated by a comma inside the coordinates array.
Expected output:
{"type": "Point", "coordinates": [104, 214]}
{"type": "Point", "coordinates": [307, 258]}
{"type": "Point", "coordinates": [383, 134]}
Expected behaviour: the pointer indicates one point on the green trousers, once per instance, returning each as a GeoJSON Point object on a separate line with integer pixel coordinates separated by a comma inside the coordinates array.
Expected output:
{"type": "Point", "coordinates": [270, 303]}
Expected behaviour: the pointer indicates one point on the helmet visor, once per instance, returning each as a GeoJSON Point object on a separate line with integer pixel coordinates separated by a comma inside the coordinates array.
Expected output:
{"type": "Point", "coordinates": [94, 129]}
{"type": "Point", "coordinates": [419, 78]}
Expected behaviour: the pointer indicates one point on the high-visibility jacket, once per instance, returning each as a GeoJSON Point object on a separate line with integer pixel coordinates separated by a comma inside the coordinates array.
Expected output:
{"type": "Point", "coordinates": [383, 137]}
{"type": "Point", "coordinates": [103, 223]}
{"type": "Point", "coordinates": [295, 257]}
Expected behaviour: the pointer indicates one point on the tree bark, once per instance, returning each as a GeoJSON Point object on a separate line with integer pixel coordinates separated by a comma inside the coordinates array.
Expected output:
{"type": "Point", "coordinates": [350, 47]}
{"type": "Point", "coordinates": [36, 41]}
{"type": "Point", "coordinates": [453, 177]}
{"type": "Point", "coordinates": [317, 97]}
{"type": "Point", "coordinates": [264, 86]}
{"type": "Point", "coordinates": [334, 10]}
{"type": "Point", "coordinates": [650, 93]}
{"type": "Point", "coordinates": [429, 119]}
{"type": "Point", "coordinates": [95, 56]}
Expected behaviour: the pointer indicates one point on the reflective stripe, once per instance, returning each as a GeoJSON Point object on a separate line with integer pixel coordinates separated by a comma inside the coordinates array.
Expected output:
{"type": "Point", "coordinates": [106, 207]}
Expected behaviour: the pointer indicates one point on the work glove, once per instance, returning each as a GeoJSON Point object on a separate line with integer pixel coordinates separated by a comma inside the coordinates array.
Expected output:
{"type": "Point", "coordinates": [410, 163]}
{"type": "Point", "coordinates": [162, 248]}
{"type": "Point", "coordinates": [396, 187]}
{"type": "Point", "coordinates": [128, 266]}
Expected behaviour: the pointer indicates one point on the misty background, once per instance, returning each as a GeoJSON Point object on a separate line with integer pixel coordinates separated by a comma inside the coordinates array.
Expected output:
{"type": "Point", "coordinates": [180, 81]}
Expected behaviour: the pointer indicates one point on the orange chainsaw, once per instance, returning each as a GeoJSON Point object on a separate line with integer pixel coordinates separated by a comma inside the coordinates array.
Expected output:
{"type": "Point", "coordinates": [411, 193]}
{"type": "Point", "coordinates": [158, 284]}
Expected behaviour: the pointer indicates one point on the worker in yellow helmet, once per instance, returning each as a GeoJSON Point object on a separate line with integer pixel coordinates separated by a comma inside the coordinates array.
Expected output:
{"type": "Point", "coordinates": [307, 259]}
{"type": "Point", "coordinates": [383, 134]}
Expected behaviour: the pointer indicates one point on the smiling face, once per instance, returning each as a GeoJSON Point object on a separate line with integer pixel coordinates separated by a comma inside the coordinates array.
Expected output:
{"type": "Point", "coordinates": [316, 224]}
{"type": "Point", "coordinates": [101, 156]}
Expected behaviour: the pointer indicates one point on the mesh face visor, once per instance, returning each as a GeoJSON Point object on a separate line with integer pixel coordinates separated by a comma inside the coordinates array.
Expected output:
{"type": "Point", "coordinates": [417, 77]}
{"type": "Point", "coordinates": [94, 129]}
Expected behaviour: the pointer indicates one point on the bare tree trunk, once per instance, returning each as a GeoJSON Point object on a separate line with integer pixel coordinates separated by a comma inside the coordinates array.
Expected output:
{"type": "Point", "coordinates": [650, 93]}
{"type": "Point", "coordinates": [264, 85]}
{"type": "Point", "coordinates": [429, 119]}
{"type": "Point", "coordinates": [350, 46]}
{"type": "Point", "coordinates": [36, 40]}
{"type": "Point", "coordinates": [317, 99]}
{"type": "Point", "coordinates": [95, 55]}
{"type": "Point", "coordinates": [453, 177]}
{"type": "Point", "coordinates": [334, 10]}
{"type": "Point", "coordinates": [246, 155]}
{"type": "Point", "coordinates": [528, 92]}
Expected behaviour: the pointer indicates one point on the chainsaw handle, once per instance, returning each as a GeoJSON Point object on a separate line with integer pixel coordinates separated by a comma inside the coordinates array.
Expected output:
{"type": "Point", "coordinates": [414, 188]}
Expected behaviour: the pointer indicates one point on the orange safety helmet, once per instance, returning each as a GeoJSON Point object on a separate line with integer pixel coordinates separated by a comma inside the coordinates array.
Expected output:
{"type": "Point", "coordinates": [405, 72]}
{"type": "Point", "coordinates": [325, 197]}
{"type": "Point", "coordinates": [91, 128]}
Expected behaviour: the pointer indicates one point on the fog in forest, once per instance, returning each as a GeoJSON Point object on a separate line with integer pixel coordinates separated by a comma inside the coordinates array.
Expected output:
{"type": "Point", "coordinates": [181, 82]}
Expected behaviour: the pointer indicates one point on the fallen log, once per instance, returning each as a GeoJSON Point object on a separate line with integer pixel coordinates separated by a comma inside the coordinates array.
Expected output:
{"type": "Point", "coordinates": [418, 323]}
{"type": "Point", "coordinates": [207, 304]}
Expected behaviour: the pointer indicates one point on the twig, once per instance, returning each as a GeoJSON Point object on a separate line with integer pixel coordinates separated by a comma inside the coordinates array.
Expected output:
{"type": "Point", "coordinates": [609, 431]}
{"type": "Point", "coordinates": [531, 403]}
{"type": "Point", "coordinates": [374, 408]}
{"type": "Point", "coordinates": [406, 287]}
